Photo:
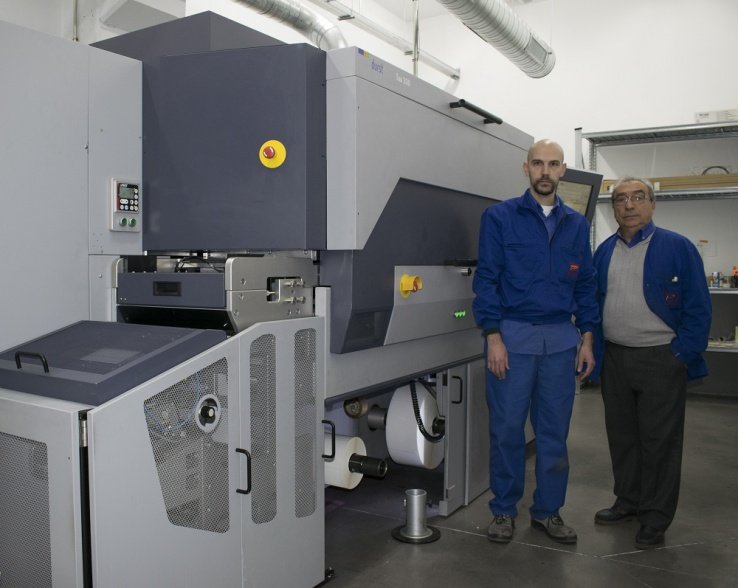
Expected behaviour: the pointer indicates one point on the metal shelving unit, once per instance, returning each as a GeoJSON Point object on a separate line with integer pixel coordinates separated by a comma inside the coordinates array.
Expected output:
{"type": "Point", "coordinates": [654, 135]}
{"type": "Point", "coordinates": [662, 135]}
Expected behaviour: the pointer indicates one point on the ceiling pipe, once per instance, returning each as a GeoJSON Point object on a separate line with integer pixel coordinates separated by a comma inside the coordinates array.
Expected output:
{"type": "Point", "coordinates": [496, 23]}
{"type": "Point", "coordinates": [357, 19]}
{"type": "Point", "coordinates": [345, 13]}
{"type": "Point", "coordinates": [321, 32]}
{"type": "Point", "coordinates": [327, 35]}
{"type": "Point", "coordinates": [416, 35]}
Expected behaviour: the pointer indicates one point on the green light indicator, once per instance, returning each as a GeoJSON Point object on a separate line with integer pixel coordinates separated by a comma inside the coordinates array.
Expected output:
{"type": "Point", "coordinates": [459, 314]}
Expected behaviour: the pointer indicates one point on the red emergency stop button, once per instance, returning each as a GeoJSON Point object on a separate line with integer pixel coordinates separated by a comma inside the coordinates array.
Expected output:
{"type": "Point", "coordinates": [272, 153]}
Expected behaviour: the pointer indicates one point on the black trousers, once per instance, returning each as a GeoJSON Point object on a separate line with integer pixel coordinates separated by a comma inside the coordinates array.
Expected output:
{"type": "Point", "coordinates": [644, 390]}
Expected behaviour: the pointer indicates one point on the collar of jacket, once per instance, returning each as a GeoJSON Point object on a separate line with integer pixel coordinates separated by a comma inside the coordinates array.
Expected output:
{"type": "Point", "coordinates": [641, 235]}
{"type": "Point", "coordinates": [528, 201]}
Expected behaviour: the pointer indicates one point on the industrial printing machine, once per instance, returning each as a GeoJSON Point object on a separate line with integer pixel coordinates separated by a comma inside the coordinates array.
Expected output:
{"type": "Point", "coordinates": [245, 251]}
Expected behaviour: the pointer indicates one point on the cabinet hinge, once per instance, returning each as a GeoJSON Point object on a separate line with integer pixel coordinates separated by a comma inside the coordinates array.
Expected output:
{"type": "Point", "coordinates": [83, 429]}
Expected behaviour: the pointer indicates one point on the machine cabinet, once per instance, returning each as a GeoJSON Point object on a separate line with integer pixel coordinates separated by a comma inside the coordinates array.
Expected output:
{"type": "Point", "coordinates": [462, 401]}
{"type": "Point", "coordinates": [41, 541]}
{"type": "Point", "coordinates": [162, 482]}
{"type": "Point", "coordinates": [452, 400]}
{"type": "Point", "coordinates": [209, 473]}
{"type": "Point", "coordinates": [282, 477]}
{"type": "Point", "coordinates": [722, 347]}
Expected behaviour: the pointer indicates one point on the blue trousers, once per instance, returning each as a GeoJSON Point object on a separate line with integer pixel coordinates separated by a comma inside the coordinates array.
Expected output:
{"type": "Point", "coordinates": [542, 386]}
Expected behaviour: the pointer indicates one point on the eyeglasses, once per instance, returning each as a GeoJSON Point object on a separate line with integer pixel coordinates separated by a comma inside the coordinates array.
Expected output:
{"type": "Point", "coordinates": [622, 199]}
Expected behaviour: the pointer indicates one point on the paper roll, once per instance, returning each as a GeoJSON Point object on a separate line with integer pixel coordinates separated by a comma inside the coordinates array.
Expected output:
{"type": "Point", "coordinates": [405, 442]}
{"type": "Point", "coordinates": [337, 469]}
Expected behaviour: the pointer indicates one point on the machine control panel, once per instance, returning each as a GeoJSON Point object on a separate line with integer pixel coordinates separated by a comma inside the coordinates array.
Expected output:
{"type": "Point", "coordinates": [125, 206]}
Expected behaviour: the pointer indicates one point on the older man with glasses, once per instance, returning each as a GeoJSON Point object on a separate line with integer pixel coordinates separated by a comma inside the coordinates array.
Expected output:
{"type": "Point", "coordinates": [656, 313]}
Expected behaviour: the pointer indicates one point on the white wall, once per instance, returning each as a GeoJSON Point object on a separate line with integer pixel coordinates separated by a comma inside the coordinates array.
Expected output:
{"type": "Point", "coordinates": [53, 17]}
{"type": "Point", "coordinates": [619, 65]}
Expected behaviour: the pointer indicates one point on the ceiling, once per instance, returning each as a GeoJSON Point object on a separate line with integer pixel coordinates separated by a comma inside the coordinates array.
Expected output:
{"type": "Point", "coordinates": [405, 8]}
{"type": "Point", "coordinates": [428, 8]}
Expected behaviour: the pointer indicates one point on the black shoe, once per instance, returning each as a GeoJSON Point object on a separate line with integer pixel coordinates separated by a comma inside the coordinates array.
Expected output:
{"type": "Point", "coordinates": [613, 516]}
{"type": "Point", "coordinates": [649, 537]}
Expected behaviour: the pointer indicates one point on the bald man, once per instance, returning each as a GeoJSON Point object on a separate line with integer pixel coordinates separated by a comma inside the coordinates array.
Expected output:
{"type": "Point", "coordinates": [534, 275]}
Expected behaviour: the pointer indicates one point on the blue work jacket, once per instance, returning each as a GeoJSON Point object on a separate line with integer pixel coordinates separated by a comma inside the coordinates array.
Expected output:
{"type": "Point", "coordinates": [675, 289]}
{"type": "Point", "coordinates": [521, 275]}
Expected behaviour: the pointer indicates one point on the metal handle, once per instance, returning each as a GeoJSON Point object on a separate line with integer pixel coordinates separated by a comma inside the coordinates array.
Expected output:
{"type": "Point", "coordinates": [487, 116]}
{"type": "Point", "coordinates": [248, 471]}
{"type": "Point", "coordinates": [18, 355]}
{"type": "Point", "coordinates": [461, 390]}
{"type": "Point", "coordinates": [333, 439]}
{"type": "Point", "coordinates": [461, 262]}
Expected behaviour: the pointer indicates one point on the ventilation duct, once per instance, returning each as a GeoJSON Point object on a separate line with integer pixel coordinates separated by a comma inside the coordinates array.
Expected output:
{"type": "Point", "coordinates": [321, 32]}
{"type": "Point", "coordinates": [496, 23]}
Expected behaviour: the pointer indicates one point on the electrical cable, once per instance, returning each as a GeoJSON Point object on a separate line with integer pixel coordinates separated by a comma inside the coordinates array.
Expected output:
{"type": "Point", "coordinates": [196, 262]}
{"type": "Point", "coordinates": [713, 167]}
{"type": "Point", "coordinates": [418, 419]}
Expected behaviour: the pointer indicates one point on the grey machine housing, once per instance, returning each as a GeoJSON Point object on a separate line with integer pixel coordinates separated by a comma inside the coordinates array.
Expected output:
{"type": "Point", "coordinates": [380, 174]}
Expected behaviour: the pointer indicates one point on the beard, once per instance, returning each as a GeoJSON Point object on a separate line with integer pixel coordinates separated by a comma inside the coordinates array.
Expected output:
{"type": "Point", "coordinates": [545, 187]}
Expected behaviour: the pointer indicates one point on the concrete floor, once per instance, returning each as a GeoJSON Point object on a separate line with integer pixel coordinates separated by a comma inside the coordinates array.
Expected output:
{"type": "Point", "coordinates": [701, 547]}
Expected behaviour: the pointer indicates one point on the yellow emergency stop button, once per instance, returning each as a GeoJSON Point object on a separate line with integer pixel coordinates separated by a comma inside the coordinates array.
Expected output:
{"type": "Point", "coordinates": [409, 284]}
{"type": "Point", "coordinates": [272, 153]}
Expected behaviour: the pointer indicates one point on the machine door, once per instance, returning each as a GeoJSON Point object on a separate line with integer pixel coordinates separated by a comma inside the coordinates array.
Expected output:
{"type": "Point", "coordinates": [163, 477]}
{"type": "Point", "coordinates": [477, 432]}
{"type": "Point", "coordinates": [452, 402]}
{"type": "Point", "coordinates": [282, 489]}
{"type": "Point", "coordinates": [40, 510]}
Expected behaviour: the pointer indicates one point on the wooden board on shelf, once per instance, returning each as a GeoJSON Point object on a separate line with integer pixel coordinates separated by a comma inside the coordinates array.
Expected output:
{"type": "Point", "coordinates": [706, 182]}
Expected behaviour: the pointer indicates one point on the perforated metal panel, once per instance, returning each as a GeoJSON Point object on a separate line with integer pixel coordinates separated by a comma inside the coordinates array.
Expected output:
{"type": "Point", "coordinates": [263, 394]}
{"type": "Point", "coordinates": [25, 534]}
{"type": "Point", "coordinates": [305, 423]}
{"type": "Point", "coordinates": [192, 455]}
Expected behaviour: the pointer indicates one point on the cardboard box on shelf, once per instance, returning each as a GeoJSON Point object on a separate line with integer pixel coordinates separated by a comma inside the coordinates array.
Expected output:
{"type": "Point", "coordinates": [716, 116]}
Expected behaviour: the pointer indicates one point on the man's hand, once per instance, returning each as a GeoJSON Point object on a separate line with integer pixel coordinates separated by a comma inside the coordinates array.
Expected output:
{"type": "Point", "coordinates": [585, 361]}
{"type": "Point", "coordinates": [497, 356]}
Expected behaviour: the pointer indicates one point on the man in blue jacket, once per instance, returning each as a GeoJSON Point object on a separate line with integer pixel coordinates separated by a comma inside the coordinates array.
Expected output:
{"type": "Point", "coordinates": [656, 315]}
{"type": "Point", "coordinates": [533, 275]}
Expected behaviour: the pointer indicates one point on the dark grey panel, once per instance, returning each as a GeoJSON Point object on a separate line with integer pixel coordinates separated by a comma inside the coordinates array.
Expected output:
{"type": "Point", "coordinates": [421, 225]}
{"type": "Point", "coordinates": [205, 31]}
{"type": "Point", "coordinates": [91, 362]}
{"type": "Point", "coordinates": [172, 316]}
{"type": "Point", "coordinates": [194, 290]}
{"type": "Point", "coordinates": [205, 119]}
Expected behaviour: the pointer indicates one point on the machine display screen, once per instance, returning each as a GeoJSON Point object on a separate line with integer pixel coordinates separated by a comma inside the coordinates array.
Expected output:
{"type": "Point", "coordinates": [575, 195]}
{"type": "Point", "coordinates": [579, 189]}
{"type": "Point", "coordinates": [126, 191]}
